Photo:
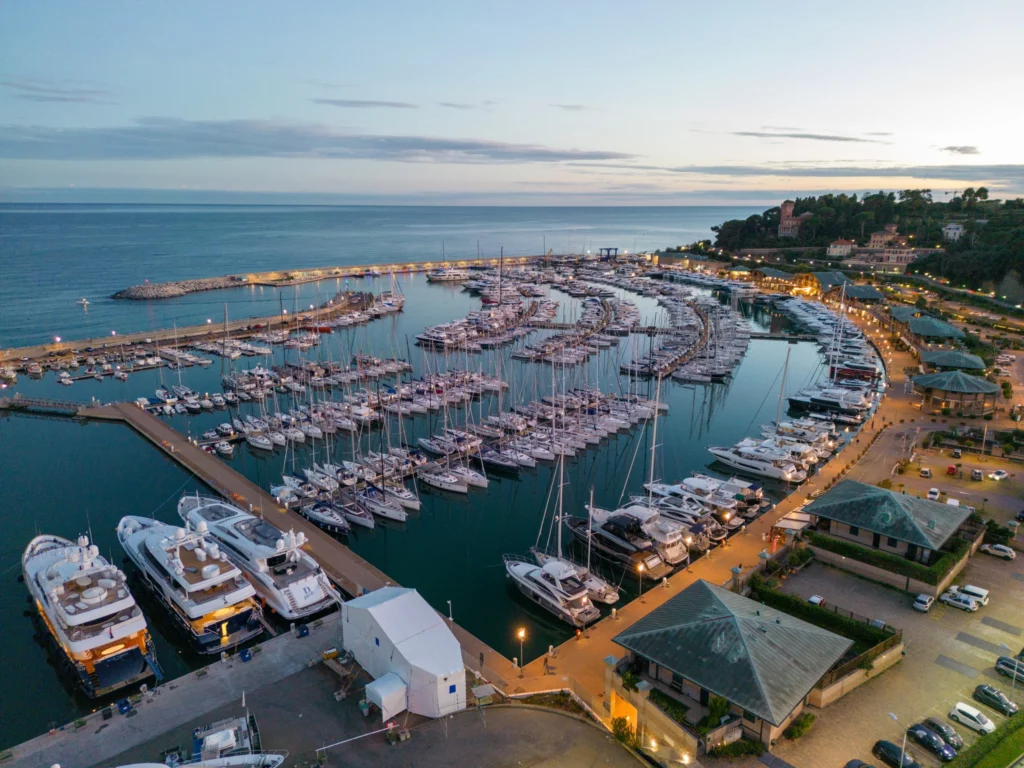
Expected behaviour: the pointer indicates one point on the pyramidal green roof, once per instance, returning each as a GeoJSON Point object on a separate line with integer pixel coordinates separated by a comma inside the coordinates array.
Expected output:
{"type": "Point", "coordinates": [956, 381]}
{"type": "Point", "coordinates": [933, 328]}
{"type": "Point", "coordinates": [923, 522]}
{"type": "Point", "coordinates": [905, 313]}
{"type": "Point", "coordinates": [952, 358]}
{"type": "Point", "coordinates": [759, 659]}
{"type": "Point", "coordinates": [829, 279]}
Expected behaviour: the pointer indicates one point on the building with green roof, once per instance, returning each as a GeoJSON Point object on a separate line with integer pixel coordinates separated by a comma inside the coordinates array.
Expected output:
{"type": "Point", "coordinates": [897, 523]}
{"type": "Point", "coordinates": [902, 314]}
{"type": "Point", "coordinates": [930, 329]}
{"type": "Point", "coordinates": [708, 641]}
{"type": "Point", "coordinates": [829, 280]}
{"type": "Point", "coordinates": [943, 359]}
{"type": "Point", "coordinates": [956, 393]}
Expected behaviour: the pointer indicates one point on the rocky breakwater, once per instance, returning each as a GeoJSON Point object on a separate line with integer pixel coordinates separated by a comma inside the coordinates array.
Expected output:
{"type": "Point", "coordinates": [176, 288]}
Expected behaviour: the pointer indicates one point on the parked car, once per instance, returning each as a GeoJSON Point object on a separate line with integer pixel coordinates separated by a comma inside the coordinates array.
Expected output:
{"type": "Point", "coordinates": [817, 600]}
{"type": "Point", "coordinates": [1008, 667]}
{"type": "Point", "coordinates": [957, 600]}
{"type": "Point", "coordinates": [891, 754]}
{"type": "Point", "coordinates": [945, 730]}
{"type": "Point", "coordinates": [931, 741]}
{"type": "Point", "coordinates": [999, 550]}
{"type": "Point", "coordinates": [926, 472]}
{"type": "Point", "coordinates": [999, 474]}
{"type": "Point", "coordinates": [951, 470]}
{"type": "Point", "coordinates": [992, 697]}
{"type": "Point", "coordinates": [979, 595]}
{"type": "Point", "coordinates": [973, 718]}
{"type": "Point", "coordinates": [957, 453]}
{"type": "Point", "coordinates": [923, 603]}
{"type": "Point", "coordinates": [858, 764]}
{"type": "Point", "coordinates": [977, 474]}
{"type": "Point", "coordinates": [1020, 516]}
{"type": "Point", "coordinates": [933, 494]}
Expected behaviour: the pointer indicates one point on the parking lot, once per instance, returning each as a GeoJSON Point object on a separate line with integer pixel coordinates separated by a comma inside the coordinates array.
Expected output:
{"type": "Point", "coordinates": [948, 653]}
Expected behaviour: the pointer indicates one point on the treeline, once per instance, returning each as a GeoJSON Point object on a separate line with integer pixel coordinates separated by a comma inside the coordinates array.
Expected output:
{"type": "Point", "coordinates": [990, 249]}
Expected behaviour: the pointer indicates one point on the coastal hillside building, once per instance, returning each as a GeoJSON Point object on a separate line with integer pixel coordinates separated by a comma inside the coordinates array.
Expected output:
{"type": "Point", "coordinates": [710, 642]}
{"type": "Point", "coordinates": [952, 232]}
{"type": "Point", "coordinates": [886, 236]}
{"type": "Point", "coordinates": [897, 523]}
{"type": "Point", "coordinates": [789, 225]}
{"type": "Point", "coordinates": [956, 393]}
{"type": "Point", "coordinates": [898, 255]}
{"type": "Point", "coordinates": [840, 249]}
{"type": "Point", "coordinates": [951, 360]}
{"type": "Point", "coordinates": [408, 649]}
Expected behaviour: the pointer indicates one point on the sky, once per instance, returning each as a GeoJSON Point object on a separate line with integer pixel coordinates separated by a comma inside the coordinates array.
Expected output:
{"type": "Point", "coordinates": [642, 103]}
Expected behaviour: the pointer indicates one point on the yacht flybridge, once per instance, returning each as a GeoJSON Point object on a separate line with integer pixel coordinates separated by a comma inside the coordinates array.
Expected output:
{"type": "Point", "coordinates": [89, 613]}
{"type": "Point", "coordinates": [286, 578]}
{"type": "Point", "coordinates": [208, 596]}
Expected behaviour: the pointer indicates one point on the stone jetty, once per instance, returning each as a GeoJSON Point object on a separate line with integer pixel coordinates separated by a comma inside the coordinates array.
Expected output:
{"type": "Point", "coordinates": [176, 288]}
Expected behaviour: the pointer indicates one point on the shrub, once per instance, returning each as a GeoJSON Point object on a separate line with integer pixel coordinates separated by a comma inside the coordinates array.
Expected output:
{"type": "Point", "coordinates": [886, 483]}
{"type": "Point", "coordinates": [623, 732]}
{"type": "Point", "coordinates": [717, 709]}
{"type": "Point", "coordinates": [996, 533]}
{"type": "Point", "coordinates": [670, 706]}
{"type": "Point", "coordinates": [630, 679]}
{"type": "Point", "coordinates": [932, 574]}
{"type": "Point", "coordinates": [946, 411]}
{"type": "Point", "coordinates": [801, 724]}
{"type": "Point", "coordinates": [741, 748]}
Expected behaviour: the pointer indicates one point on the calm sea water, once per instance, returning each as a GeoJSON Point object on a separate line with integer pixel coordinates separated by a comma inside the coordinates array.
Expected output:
{"type": "Point", "coordinates": [66, 478]}
{"type": "Point", "coordinates": [54, 255]}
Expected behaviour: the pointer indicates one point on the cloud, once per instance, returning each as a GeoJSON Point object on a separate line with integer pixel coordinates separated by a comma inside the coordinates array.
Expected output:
{"type": "Point", "coordinates": [1007, 175]}
{"type": "Point", "coordinates": [571, 107]}
{"type": "Point", "coordinates": [961, 150]}
{"type": "Point", "coordinates": [464, 105]}
{"type": "Point", "coordinates": [365, 104]}
{"type": "Point", "coordinates": [162, 138]}
{"type": "Point", "coordinates": [878, 133]}
{"type": "Point", "coordinates": [807, 136]}
{"type": "Point", "coordinates": [30, 89]}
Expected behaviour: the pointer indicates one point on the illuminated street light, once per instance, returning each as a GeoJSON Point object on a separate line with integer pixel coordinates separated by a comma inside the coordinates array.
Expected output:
{"type": "Point", "coordinates": [521, 634]}
{"type": "Point", "coordinates": [640, 579]}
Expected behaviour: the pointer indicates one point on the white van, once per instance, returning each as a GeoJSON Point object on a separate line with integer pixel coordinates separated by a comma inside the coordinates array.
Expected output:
{"type": "Point", "coordinates": [971, 717]}
{"type": "Point", "coordinates": [979, 595]}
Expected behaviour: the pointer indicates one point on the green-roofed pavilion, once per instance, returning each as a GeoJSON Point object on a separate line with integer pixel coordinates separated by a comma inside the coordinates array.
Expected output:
{"type": "Point", "coordinates": [710, 641]}
{"type": "Point", "coordinates": [903, 314]}
{"type": "Point", "coordinates": [829, 280]}
{"type": "Point", "coordinates": [952, 358]}
{"type": "Point", "coordinates": [893, 522]}
{"type": "Point", "coordinates": [932, 329]}
{"type": "Point", "coordinates": [956, 391]}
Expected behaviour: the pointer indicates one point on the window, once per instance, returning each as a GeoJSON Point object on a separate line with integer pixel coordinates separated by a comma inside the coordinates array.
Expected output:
{"type": "Point", "coordinates": [377, 641]}
{"type": "Point", "coordinates": [890, 541]}
{"type": "Point", "coordinates": [451, 688]}
{"type": "Point", "coordinates": [854, 530]}
{"type": "Point", "coordinates": [749, 716]}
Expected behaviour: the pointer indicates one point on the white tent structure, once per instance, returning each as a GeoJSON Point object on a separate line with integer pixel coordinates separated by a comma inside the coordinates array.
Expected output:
{"type": "Point", "coordinates": [408, 649]}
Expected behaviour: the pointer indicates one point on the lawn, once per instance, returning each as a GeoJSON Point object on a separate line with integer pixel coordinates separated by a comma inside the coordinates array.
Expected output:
{"type": "Point", "coordinates": [1005, 753]}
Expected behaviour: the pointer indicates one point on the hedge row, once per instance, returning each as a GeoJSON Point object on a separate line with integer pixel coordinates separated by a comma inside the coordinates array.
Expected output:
{"type": "Point", "coordinates": [740, 748]}
{"type": "Point", "coordinates": [971, 756]}
{"type": "Point", "coordinates": [794, 605]}
{"type": "Point", "coordinates": [931, 574]}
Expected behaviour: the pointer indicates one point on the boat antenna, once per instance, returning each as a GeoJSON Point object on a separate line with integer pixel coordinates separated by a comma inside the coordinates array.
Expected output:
{"type": "Point", "coordinates": [88, 523]}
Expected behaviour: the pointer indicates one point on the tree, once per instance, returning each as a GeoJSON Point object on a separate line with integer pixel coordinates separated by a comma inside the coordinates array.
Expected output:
{"type": "Point", "coordinates": [921, 303]}
{"type": "Point", "coordinates": [863, 219]}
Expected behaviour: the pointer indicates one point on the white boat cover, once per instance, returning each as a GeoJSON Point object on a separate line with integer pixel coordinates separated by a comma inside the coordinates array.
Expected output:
{"type": "Point", "coordinates": [394, 630]}
{"type": "Point", "coordinates": [389, 693]}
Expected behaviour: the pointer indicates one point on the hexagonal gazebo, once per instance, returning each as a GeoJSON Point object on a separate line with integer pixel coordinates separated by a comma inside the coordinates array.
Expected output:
{"type": "Point", "coordinates": [961, 393]}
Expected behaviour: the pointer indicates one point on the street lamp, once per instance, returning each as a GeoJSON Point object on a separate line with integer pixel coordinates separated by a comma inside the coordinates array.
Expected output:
{"type": "Point", "coordinates": [57, 339]}
{"type": "Point", "coordinates": [640, 579]}
{"type": "Point", "coordinates": [903, 749]}
{"type": "Point", "coordinates": [521, 634]}
{"type": "Point", "coordinates": [113, 333]}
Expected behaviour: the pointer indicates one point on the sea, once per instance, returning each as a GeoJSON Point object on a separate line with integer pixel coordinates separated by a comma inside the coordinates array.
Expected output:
{"type": "Point", "coordinates": [68, 478]}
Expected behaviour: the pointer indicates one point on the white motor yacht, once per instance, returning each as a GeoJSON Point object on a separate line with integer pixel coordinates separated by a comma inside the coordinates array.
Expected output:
{"type": "Point", "coordinates": [759, 461]}
{"type": "Point", "coordinates": [285, 577]}
{"type": "Point", "coordinates": [206, 593]}
{"type": "Point", "coordinates": [667, 535]}
{"type": "Point", "coordinates": [555, 587]}
{"type": "Point", "coordinates": [89, 614]}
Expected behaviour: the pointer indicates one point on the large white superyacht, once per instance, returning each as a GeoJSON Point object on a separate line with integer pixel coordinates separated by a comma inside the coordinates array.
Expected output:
{"type": "Point", "coordinates": [286, 578]}
{"type": "Point", "coordinates": [207, 594]}
{"type": "Point", "coordinates": [89, 613]}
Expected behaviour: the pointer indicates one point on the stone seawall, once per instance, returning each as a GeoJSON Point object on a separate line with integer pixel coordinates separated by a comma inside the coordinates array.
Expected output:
{"type": "Point", "coordinates": [176, 288]}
